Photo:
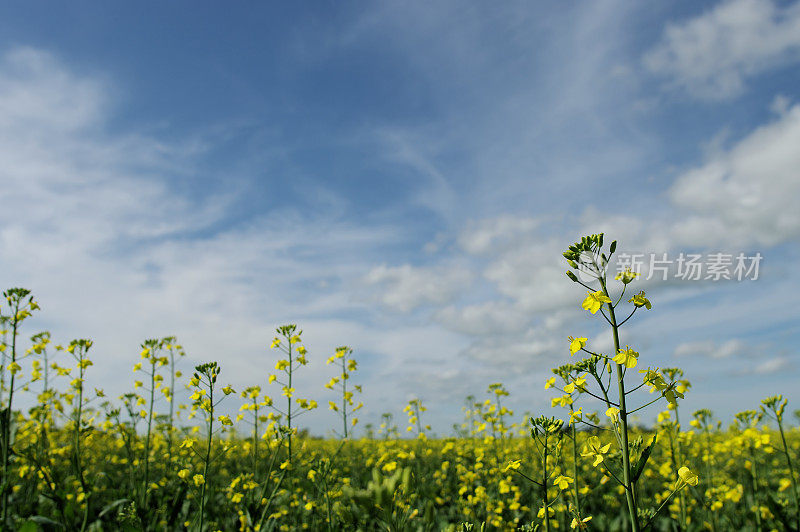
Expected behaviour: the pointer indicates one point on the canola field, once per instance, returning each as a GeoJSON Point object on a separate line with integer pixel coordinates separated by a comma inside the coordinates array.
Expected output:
{"type": "Point", "coordinates": [79, 460]}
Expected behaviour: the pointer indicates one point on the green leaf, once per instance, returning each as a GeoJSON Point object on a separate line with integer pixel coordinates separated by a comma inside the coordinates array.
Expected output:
{"type": "Point", "coordinates": [29, 526]}
{"type": "Point", "coordinates": [637, 471]}
{"type": "Point", "coordinates": [41, 520]}
{"type": "Point", "coordinates": [111, 507]}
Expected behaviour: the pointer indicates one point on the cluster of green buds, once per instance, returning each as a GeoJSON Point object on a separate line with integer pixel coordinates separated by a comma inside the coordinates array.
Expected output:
{"type": "Point", "coordinates": [586, 256]}
{"type": "Point", "coordinates": [545, 425]}
{"type": "Point", "coordinates": [204, 378]}
{"type": "Point", "coordinates": [748, 418]}
{"type": "Point", "coordinates": [564, 371]}
{"type": "Point", "coordinates": [20, 308]}
{"type": "Point", "coordinates": [498, 389]}
{"type": "Point", "coordinates": [702, 418]}
{"type": "Point", "coordinates": [588, 364]}
{"type": "Point", "coordinates": [775, 404]}
{"type": "Point", "coordinates": [209, 370]}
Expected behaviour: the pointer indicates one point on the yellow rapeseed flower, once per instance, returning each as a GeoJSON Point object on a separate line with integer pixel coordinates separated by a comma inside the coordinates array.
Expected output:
{"type": "Point", "coordinates": [686, 476]}
{"type": "Point", "coordinates": [595, 300]}
{"type": "Point", "coordinates": [580, 524]}
{"type": "Point", "coordinates": [576, 344]}
{"type": "Point", "coordinates": [627, 357]}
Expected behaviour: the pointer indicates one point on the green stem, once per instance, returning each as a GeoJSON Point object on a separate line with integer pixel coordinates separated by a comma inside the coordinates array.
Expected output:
{"type": "Point", "coordinates": [544, 486]}
{"type": "Point", "coordinates": [255, 438]}
{"type": "Point", "coordinates": [575, 468]}
{"type": "Point", "coordinates": [289, 400]}
{"type": "Point", "coordinates": [208, 454]}
{"type": "Point", "coordinates": [171, 406]}
{"type": "Point", "coordinates": [675, 460]}
{"type": "Point", "coordinates": [78, 448]}
{"type": "Point", "coordinates": [630, 490]}
{"type": "Point", "coordinates": [709, 472]}
{"type": "Point", "coordinates": [149, 431]}
{"type": "Point", "coordinates": [791, 471]}
{"type": "Point", "coordinates": [754, 473]}
{"type": "Point", "coordinates": [679, 451]}
{"type": "Point", "coordinates": [8, 414]}
{"type": "Point", "coordinates": [663, 503]}
{"type": "Point", "coordinates": [344, 395]}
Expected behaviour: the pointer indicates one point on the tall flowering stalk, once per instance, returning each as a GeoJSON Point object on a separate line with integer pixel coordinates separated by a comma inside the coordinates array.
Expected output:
{"type": "Point", "coordinates": [548, 435]}
{"type": "Point", "coordinates": [255, 403]}
{"type": "Point", "coordinates": [750, 440]}
{"type": "Point", "coordinates": [289, 343]}
{"type": "Point", "coordinates": [79, 425]}
{"type": "Point", "coordinates": [774, 407]}
{"type": "Point", "coordinates": [153, 359]}
{"type": "Point", "coordinates": [21, 304]}
{"type": "Point", "coordinates": [588, 262]}
{"type": "Point", "coordinates": [343, 358]}
{"type": "Point", "coordinates": [175, 352]}
{"type": "Point", "coordinates": [673, 430]}
{"type": "Point", "coordinates": [40, 371]}
{"type": "Point", "coordinates": [414, 409]}
{"type": "Point", "coordinates": [204, 382]}
{"type": "Point", "coordinates": [496, 412]}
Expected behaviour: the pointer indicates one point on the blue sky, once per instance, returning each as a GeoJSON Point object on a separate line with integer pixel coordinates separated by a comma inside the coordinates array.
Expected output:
{"type": "Point", "coordinates": [402, 178]}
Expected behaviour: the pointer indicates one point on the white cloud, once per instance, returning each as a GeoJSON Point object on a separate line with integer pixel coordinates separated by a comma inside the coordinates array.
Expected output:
{"type": "Point", "coordinates": [486, 235]}
{"type": "Point", "coordinates": [713, 54]}
{"type": "Point", "coordinates": [492, 317]}
{"type": "Point", "coordinates": [772, 365]}
{"type": "Point", "coordinates": [519, 353]}
{"type": "Point", "coordinates": [711, 349]}
{"type": "Point", "coordinates": [747, 194]}
{"type": "Point", "coordinates": [64, 104]}
{"type": "Point", "coordinates": [532, 274]}
{"type": "Point", "coordinates": [406, 287]}
{"type": "Point", "coordinates": [115, 250]}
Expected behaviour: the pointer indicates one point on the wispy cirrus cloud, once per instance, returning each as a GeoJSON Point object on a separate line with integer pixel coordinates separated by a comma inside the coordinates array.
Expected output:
{"type": "Point", "coordinates": [713, 55]}
{"type": "Point", "coordinates": [116, 249]}
{"type": "Point", "coordinates": [709, 348]}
